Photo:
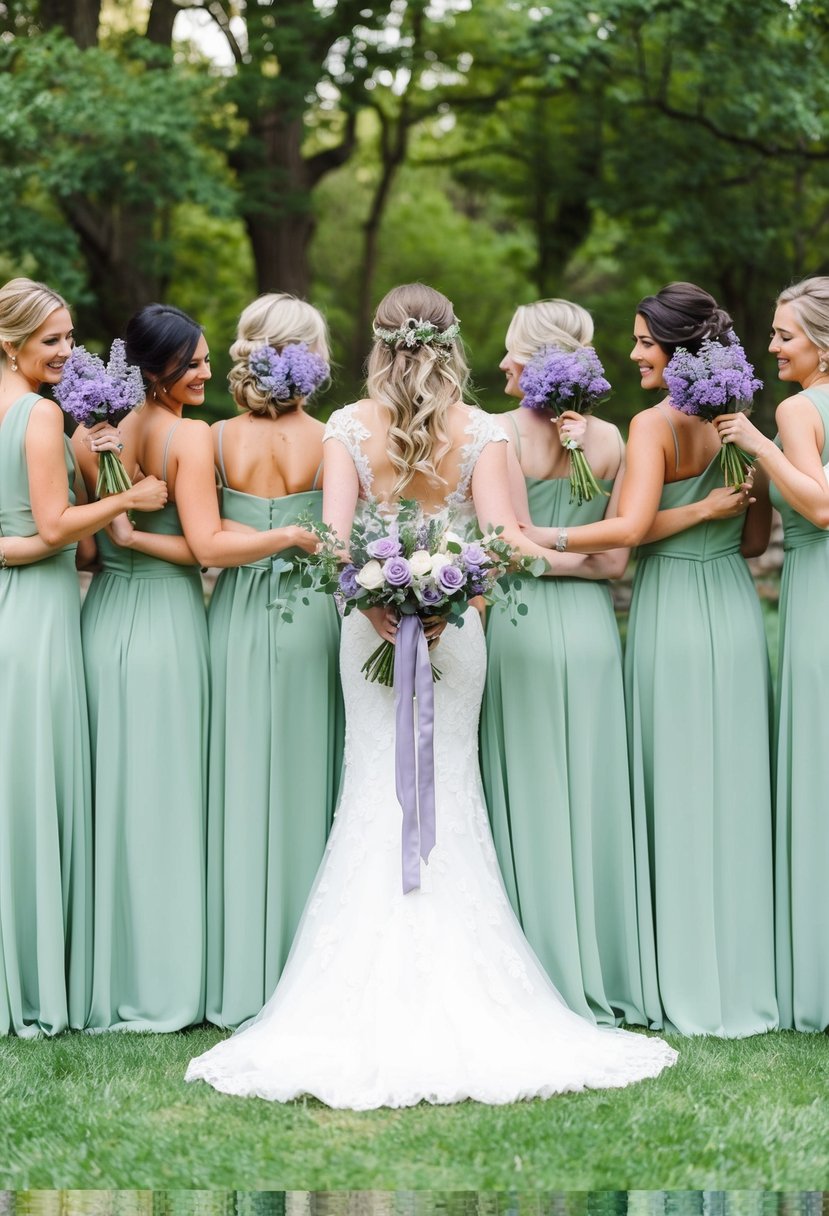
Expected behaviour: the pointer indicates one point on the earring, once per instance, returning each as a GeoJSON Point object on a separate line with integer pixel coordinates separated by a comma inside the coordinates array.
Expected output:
{"type": "Point", "coordinates": [14, 363]}
{"type": "Point", "coordinates": [823, 366]}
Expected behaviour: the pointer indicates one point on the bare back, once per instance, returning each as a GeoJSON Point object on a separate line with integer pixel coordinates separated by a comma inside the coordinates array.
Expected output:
{"type": "Point", "coordinates": [535, 438]}
{"type": "Point", "coordinates": [269, 457]}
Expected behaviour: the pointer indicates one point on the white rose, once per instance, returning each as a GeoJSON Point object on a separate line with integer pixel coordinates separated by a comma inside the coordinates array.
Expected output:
{"type": "Point", "coordinates": [420, 563]}
{"type": "Point", "coordinates": [438, 562]}
{"type": "Point", "coordinates": [450, 538]}
{"type": "Point", "coordinates": [371, 576]}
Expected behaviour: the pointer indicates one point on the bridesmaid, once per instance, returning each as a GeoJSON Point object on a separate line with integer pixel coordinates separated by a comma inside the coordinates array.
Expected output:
{"type": "Point", "coordinates": [45, 823]}
{"type": "Point", "coordinates": [275, 684]}
{"type": "Point", "coordinates": [796, 465]}
{"type": "Point", "coordinates": [554, 689]}
{"type": "Point", "coordinates": [697, 686]}
{"type": "Point", "coordinates": [145, 644]}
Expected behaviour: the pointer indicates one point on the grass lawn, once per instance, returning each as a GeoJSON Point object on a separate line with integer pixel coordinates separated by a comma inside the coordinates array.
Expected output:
{"type": "Point", "coordinates": [112, 1111]}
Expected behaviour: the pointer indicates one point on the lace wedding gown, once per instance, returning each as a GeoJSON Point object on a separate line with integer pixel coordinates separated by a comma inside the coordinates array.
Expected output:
{"type": "Point", "coordinates": [390, 999]}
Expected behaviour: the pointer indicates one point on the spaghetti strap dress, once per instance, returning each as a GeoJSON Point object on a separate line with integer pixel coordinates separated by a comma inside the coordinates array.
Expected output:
{"type": "Point", "coordinates": [697, 686]}
{"type": "Point", "coordinates": [802, 764]}
{"type": "Point", "coordinates": [276, 745]}
{"type": "Point", "coordinates": [45, 788]}
{"type": "Point", "coordinates": [145, 650]}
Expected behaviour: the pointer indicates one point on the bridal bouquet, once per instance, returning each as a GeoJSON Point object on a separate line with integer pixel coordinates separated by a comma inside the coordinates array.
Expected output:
{"type": "Point", "coordinates": [91, 392]}
{"type": "Point", "coordinates": [418, 566]}
{"type": "Point", "coordinates": [717, 380]}
{"type": "Point", "coordinates": [560, 380]}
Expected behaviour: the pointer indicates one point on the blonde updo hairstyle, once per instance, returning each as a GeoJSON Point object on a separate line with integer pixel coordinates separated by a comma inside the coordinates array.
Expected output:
{"type": "Point", "coordinates": [547, 323]}
{"type": "Point", "coordinates": [810, 302]}
{"type": "Point", "coordinates": [278, 320]}
{"type": "Point", "coordinates": [416, 383]}
{"type": "Point", "coordinates": [24, 306]}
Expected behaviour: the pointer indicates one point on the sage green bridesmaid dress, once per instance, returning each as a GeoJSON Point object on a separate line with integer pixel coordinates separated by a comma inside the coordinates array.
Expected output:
{"type": "Point", "coordinates": [45, 814]}
{"type": "Point", "coordinates": [802, 768]}
{"type": "Point", "coordinates": [145, 651]}
{"type": "Point", "coordinates": [697, 686]}
{"type": "Point", "coordinates": [276, 739]}
{"type": "Point", "coordinates": [555, 772]}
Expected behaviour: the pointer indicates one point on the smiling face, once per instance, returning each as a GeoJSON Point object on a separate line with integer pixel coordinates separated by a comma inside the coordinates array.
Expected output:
{"type": "Point", "coordinates": [512, 369]}
{"type": "Point", "coordinates": [188, 389]}
{"type": "Point", "coordinates": [41, 358]}
{"type": "Point", "coordinates": [649, 355]}
{"type": "Point", "coordinates": [797, 356]}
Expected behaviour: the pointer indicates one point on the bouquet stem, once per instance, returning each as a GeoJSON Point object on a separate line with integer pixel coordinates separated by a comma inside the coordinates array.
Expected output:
{"type": "Point", "coordinates": [112, 476]}
{"type": "Point", "coordinates": [583, 484]}
{"type": "Point", "coordinates": [379, 666]}
{"type": "Point", "coordinates": [736, 464]}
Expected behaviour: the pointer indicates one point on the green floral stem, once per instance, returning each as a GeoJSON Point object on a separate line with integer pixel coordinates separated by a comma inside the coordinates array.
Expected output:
{"type": "Point", "coordinates": [583, 484]}
{"type": "Point", "coordinates": [735, 463]}
{"type": "Point", "coordinates": [112, 476]}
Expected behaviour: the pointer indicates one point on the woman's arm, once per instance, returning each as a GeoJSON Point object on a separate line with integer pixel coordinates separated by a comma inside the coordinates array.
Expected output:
{"type": "Point", "coordinates": [198, 509]}
{"type": "Point", "coordinates": [57, 522]}
{"type": "Point", "coordinates": [757, 527]}
{"type": "Point", "coordinates": [340, 489]}
{"type": "Point", "coordinates": [722, 503]}
{"type": "Point", "coordinates": [797, 470]}
{"type": "Point", "coordinates": [610, 564]}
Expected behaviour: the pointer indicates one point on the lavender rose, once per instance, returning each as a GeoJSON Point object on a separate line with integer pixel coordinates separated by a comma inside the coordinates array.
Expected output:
{"type": "Point", "coordinates": [396, 572]}
{"type": "Point", "coordinates": [429, 595]}
{"type": "Point", "coordinates": [474, 557]}
{"type": "Point", "coordinates": [450, 579]}
{"type": "Point", "coordinates": [384, 548]}
{"type": "Point", "coordinates": [348, 582]}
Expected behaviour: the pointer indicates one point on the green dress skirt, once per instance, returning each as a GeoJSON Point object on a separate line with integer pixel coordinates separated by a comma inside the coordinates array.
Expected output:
{"type": "Point", "coordinates": [45, 813]}
{"type": "Point", "coordinates": [697, 685]}
{"type": "Point", "coordinates": [145, 651]}
{"type": "Point", "coordinates": [555, 771]}
{"type": "Point", "coordinates": [802, 768]}
{"type": "Point", "coordinates": [276, 738]}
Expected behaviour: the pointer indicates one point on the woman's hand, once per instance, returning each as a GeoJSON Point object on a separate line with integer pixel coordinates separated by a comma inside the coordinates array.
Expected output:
{"type": "Point", "coordinates": [384, 619]}
{"type": "Point", "coordinates": [736, 428]}
{"type": "Point", "coordinates": [103, 438]}
{"type": "Point", "coordinates": [148, 494]}
{"type": "Point", "coordinates": [726, 502]}
{"type": "Point", "coordinates": [572, 428]}
{"type": "Point", "coordinates": [301, 538]}
{"type": "Point", "coordinates": [121, 531]}
{"type": "Point", "coordinates": [433, 627]}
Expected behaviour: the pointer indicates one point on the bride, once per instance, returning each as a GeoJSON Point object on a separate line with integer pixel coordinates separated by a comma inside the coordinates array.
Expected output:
{"type": "Point", "coordinates": [389, 999]}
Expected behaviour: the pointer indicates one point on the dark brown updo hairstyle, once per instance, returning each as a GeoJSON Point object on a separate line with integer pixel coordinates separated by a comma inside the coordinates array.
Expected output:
{"type": "Point", "coordinates": [683, 314]}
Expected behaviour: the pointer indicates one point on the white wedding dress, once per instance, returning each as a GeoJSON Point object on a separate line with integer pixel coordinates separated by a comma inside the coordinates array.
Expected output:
{"type": "Point", "coordinates": [390, 999]}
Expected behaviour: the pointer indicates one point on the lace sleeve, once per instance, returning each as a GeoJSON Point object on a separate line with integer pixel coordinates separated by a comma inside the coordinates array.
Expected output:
{"type": "Point", "coordinates": [482, 429]}
{"type": "Point", "coordinates": [345, 426]}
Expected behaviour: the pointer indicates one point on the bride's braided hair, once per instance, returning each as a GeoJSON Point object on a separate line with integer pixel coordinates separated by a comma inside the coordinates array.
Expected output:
{"type": "Point", "coordinates": [417, 380]}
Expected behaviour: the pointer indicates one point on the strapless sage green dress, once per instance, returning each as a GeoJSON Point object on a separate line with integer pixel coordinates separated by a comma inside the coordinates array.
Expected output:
{"type": "Point", "coordinates": [45, 785]}
{"type": "Point", "coordinates": [802, 768]}
{"type": "Point", "coordinates": [276, 741]}
{"type": "Point", "coordinates": [555, 772]}
{"type": "Point", "coordinates": [145, 650]}
{"type": "Point", "coordinates": [697, 686]}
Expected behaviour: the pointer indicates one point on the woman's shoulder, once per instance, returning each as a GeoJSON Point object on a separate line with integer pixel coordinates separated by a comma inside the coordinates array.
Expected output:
{"type": "Point", "coordinates": [471, 420]}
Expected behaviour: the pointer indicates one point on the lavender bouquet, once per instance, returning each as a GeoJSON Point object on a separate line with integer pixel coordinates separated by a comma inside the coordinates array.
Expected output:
{"type": "Point", "coordinates": [418, 566]}
{"type": "Point", "coordinates": [560, 380]}
{"type": "Point", "coordinates": [287, 375]}
{"type": "Point", "coordinates": [718, 380]}
{"type": "Point", "coordinates": [91, 392]}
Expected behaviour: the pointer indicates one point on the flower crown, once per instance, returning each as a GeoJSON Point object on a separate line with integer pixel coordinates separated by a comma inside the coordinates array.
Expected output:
{"type": "Point", "coordinates": [295, 372]}
{"type": "Point", "coordinates": [417, 332]}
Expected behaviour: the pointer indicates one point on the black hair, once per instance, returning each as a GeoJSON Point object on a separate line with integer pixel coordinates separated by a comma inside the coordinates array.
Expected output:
{"type": "Point", "coordinates": [160, 340]}
{"type": "Point", "coordinates": [683, 314]}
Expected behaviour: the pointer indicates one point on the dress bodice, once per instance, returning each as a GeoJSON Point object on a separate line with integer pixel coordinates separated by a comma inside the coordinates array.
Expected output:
{"type": "Point", "coordinates": [346, 426]}
{"type": "Point", "coordinates": [130, 564]}
{"type": "Point", "coordinates": [706, 541]}
{"type": "Point", "coordinates": [550, 506]}
{"type": "Point", "coordinates": [16, 518]}
{"type": "Point", "coordinates": [797, 530]}
{"type": "Point", "coordinates": [266, 513]}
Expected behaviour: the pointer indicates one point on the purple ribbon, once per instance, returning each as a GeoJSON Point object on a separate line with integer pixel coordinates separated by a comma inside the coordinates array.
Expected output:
{"type": "Point", "coordinates": [414, 758]}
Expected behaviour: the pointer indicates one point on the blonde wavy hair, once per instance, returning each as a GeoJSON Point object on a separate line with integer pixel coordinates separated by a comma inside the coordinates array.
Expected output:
{"type": "Point", "coordinates": [24, 306]}
{"type": "Point", "coordinates": [810, 301]}
{"type": "Point", "coordinates": [547, 323]}
{"type": "Point", "coordinates": [276, 319]}
{"type": "Point", "coordinates": [416, 383]}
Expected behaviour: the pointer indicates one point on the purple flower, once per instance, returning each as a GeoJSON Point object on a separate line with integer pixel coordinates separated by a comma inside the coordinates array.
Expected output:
{"type": "Point", "coordinates": [717, 380]}
{"type": "Point", "coordinates": [294, 373]}
{"type": "Point", "coordinates": [450, 579]}
{"type": "Point", "coordinates": [429, 595]}
{"type": "Point", "coordinates": [348, 582]}
{"type": "Point", "coordinates": [89, 392]}
{"type": "Point", "coordinates": [474, 557]}
{"type": "Point", "coordinates": [384, 548]}
{"type": "Point", "coordinates": [396, 572]}
{"type": "Point", "coordinates": [560, 380]}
